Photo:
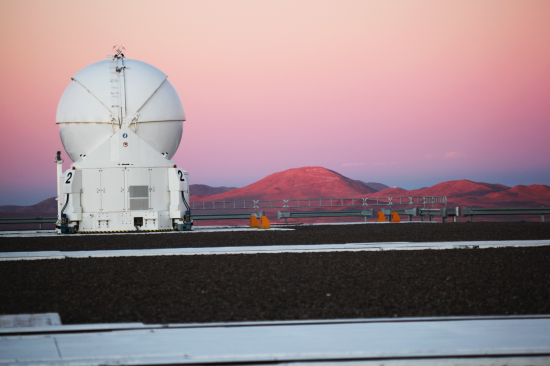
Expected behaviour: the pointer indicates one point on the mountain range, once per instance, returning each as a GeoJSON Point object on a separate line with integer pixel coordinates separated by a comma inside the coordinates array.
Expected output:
{"type": "Point", "coordinates": [318, 182]}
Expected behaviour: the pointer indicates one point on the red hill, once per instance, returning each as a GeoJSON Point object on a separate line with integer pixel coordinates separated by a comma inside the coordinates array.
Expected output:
{"type": "Point", "coordinates": [47, 206]}
{"type": "Point", "coordinates": [318, 182]}
{"type": "Point", "coordinates": [459, 188]}
{"type": "Point", "coordinates": [203, 189]}
{"type": "Point", "coordinates": [533, 195]}
{"type": "Point", "coordinates": [478, 194]}
{"type": "Point", "coordinates": [391, 192]}
{"type": "Point", "coordinates": [307, 182]}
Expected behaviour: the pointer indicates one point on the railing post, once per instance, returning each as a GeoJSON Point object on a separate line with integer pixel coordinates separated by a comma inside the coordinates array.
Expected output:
{"type": "Point", "coordinates": [542, 218]}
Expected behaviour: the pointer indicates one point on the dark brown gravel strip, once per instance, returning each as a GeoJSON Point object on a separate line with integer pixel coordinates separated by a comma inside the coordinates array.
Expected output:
{"type": "Point", "coordinates": [218, 288]}
{"type": "Point", "coordinates": [318, 234]}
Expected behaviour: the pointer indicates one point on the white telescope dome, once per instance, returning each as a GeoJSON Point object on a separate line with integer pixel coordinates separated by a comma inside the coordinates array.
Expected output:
{"type": "Point", "coordinates": [109, 94]}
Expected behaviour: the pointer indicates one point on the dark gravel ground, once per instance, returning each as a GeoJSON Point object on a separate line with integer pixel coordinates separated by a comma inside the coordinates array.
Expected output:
{"type": "Point", "coordinates": [181, 289]}
{"type": "Point", "coordinates": [317, 234]}
{"type": "Point", "coordinates": [217, 288]}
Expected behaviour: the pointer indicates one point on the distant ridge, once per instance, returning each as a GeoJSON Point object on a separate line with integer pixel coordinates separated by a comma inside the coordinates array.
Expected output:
{"type": "Point", "coordinates": [48, 205]}
{"type": "Point", "coordinates": [306, 182]}
{"type": "Point", "coordinates": [319, 182]}
{"type": "Point", "coordinates": [375, 186]}
{"type": "Point", "coordinates": [203, 189]}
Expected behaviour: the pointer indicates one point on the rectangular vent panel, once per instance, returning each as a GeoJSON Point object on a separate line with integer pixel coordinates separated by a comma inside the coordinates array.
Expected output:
{"type": "Point", "coordinates": [139, 198]}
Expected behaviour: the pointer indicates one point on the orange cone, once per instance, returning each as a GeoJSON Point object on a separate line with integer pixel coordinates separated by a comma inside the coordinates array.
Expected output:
{"type": "Point", "coordinates": [395, 217]}
{"type": "Point", "coordinates": [265, 223]}
{"type": "Point", "coordinates": [254, 223]}
{"type": "Point", "coordinates": [381, 217]}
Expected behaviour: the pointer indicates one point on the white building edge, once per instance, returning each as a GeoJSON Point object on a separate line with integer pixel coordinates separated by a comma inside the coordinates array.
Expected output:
{"type": "Point", "coordinates": [121, 122]}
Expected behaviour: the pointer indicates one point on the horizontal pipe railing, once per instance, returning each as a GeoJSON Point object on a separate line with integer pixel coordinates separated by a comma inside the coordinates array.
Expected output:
{"type": "Point", "coordinates": [295, 214]}
{"type": "Point", "coordinates": [28, 220]}
{"type": "Point", "coordinates": [475, 211]}
{"type": "Point", "coordinates": [228, 216]}
{"type": "Point", "coordinates": [318, 202]}
{"type": "Point", "coordinates": [445, 212]}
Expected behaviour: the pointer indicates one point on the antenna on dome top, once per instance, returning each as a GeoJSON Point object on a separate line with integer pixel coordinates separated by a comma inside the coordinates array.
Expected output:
{"type": "Point", "coordinates": [118, 49]}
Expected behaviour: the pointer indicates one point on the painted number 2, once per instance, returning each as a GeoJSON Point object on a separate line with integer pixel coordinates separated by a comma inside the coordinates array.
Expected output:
{"type": "Point", "coordinates": [181, 176]}
{"type": "Point", "coordinates": [69, 176]}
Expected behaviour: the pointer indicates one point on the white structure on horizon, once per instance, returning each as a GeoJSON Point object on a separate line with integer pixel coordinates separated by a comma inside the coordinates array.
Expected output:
{"type": "Point", "coordinates": [121, 122]}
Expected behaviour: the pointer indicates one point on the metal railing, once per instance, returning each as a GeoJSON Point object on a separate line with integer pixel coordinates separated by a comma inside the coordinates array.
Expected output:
{"type": "Point", "coordinates": [471, 212]}
{"type": "Point", "coordinates": [445, 212]}
{"type": "Point", "coordinates": [294, 214]}
{"type": "Point", "coordinates": [410, 212]}
{"type": "Point", "coordinates": [319, 202]}
{"type": "Point", "coordinates": [28, 220]}
{"type": "Point", "coordinates": [228, 216]}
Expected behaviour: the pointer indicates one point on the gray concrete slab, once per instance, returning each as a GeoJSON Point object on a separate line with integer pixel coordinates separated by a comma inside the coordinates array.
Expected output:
{"type": "Point", "coordinates": [10, 256]}
{"type": "Point", "coordinates": [29, 320]}
{"type": "Point", "coordinates": [522, 339]}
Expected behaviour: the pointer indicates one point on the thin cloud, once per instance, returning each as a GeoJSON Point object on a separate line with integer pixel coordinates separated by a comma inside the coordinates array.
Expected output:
{"type": "Point", "coordinates": [391, 163]}
{"type": "Point", "coordinates": [454, 155]}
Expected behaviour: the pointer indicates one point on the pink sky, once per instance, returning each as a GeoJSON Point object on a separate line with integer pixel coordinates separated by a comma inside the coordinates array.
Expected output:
{"type": "Point", "coordinates": [406, 93]}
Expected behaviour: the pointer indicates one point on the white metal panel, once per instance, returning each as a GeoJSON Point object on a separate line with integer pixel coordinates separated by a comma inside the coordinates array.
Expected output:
{"type": "Point", "coordinates": [182, 179]}
{"type": "Point", "coordinates": [102, 157]}
{"type": "Point", "coordinates": [113, 189]}
{"type": "Point", "coordinates": [129, 146]}
{"type": "Point", "coordinates": [185, 187]}
{"type": "Point", "coordinates": [83, 138]}
{"type": "Point", "coordinates": [164, 105]}
{"type": "Point", "coordinates": [160, 196]}
{"type": "Point", "coordinates": [78, 105]}
{"type": "Point", "coordinates": [165, 137]}
{"type": "Point", "coordinates": [149, 97]}
{"type": "Point", "coordinates": [142, 81]}
{"type": "Point", "coordinates": [91, 195]}
{"type": "Point", "coordinates": [88, 222]}
{"type": "Point", "coordinates": [96, 79]}
{"type": "Point", "coordinates": [165, 222]}
{"type": "Point", "coordinates": [72, 181]}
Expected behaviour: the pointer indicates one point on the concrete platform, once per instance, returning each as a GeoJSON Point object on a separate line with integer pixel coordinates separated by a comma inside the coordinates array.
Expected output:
{"type": "Point", "coordinates": [352, 247]}
{"type": "Point", "coordinates": [29, 320]}
{"type": "Point", "coordinates": [198, 229]}
{"type": "Point", "coordinates": [513, 340]}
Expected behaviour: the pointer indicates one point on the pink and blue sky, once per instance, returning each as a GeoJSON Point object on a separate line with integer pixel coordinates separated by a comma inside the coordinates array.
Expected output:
{"type": "Point", "coordinates": [406, 93]}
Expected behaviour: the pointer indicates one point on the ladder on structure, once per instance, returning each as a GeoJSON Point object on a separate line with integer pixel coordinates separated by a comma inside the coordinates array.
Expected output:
{"type": "Point", "coordinates": [115, 89]}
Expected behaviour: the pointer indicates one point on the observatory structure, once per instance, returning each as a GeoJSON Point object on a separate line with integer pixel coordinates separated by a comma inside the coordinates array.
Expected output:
{"type": "Point", "coordinates": [121, 122]}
